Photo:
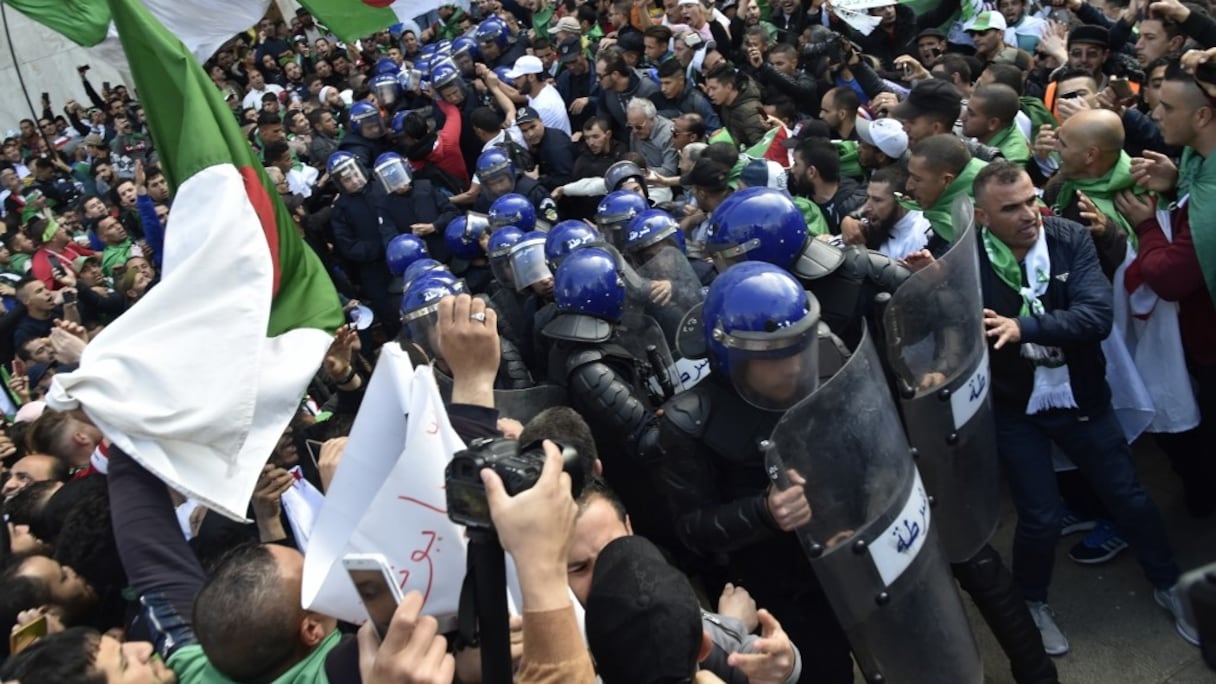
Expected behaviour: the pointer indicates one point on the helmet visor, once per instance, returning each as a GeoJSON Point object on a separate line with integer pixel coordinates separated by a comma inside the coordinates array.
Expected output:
{"type": "Point", "coordinates": [386, 93]}
{"type": "Point", "coordinates": [395, 175]}
{"type": "Point", "coordinates": [776, 379]}
{"type": "Point", "coordinates": [371, 126]}
{"type": "Point", "coordinates": [528, 264]}
{"type": "Point", "coordinates": [350, 176]}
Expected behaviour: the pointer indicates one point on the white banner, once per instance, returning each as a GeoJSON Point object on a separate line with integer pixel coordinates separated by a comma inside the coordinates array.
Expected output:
{"type": "Point", "coordinates": [388, 497]}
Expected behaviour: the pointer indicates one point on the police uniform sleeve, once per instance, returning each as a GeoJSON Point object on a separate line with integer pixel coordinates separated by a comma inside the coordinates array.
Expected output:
{"type": "Point", "coordinates": [602, 395]}
{"type": "Point", "coordinates": [704, 522]}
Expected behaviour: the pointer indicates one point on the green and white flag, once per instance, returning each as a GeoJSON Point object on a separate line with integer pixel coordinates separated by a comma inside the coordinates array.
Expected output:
{"type": "Point", "coordinates": [199, 379]}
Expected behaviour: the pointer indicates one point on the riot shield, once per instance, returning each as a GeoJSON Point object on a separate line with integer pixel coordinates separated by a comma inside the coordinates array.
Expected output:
{"type": "Point", "coordinates": [872, 538]}
{"type": "Point", "coordinates": [644, 339]}
{"type": "Point", "coordinates": [520, 404]}
{"type": "Point", "coordinates": [671, 265]}
{"type": "Point", "coordinates": [939, 356]}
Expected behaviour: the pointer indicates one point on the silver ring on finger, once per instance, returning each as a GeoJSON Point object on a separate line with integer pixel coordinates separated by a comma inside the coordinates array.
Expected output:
{"type": "Point", "coordinates": [480, 317]}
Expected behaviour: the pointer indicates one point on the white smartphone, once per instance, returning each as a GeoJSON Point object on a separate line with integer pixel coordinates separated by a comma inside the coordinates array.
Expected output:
{"type": "Point", "coordinates": [373, 580]}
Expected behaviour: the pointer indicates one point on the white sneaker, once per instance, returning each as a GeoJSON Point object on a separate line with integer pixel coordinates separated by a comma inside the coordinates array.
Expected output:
{"type": "Point", "coordinates": [1171, 600]}
{"type": "Point", "coordinates": [1054, 642]}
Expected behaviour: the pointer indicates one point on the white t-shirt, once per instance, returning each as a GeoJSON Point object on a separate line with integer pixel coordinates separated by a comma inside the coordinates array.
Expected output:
{"type": "Point", "coordinates": [552, 108]}
{"type": "Point", "coordinates": [253, 98]}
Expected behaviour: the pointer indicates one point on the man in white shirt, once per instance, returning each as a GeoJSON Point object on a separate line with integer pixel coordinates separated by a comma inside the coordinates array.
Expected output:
{"type": "Point", "coordinates": [528, 74]}
{"type": "Point", "coordinates": [257, 88]}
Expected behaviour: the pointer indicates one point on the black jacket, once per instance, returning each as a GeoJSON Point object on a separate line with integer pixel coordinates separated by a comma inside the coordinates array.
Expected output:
{"type": "Point", "coordinates": [1079, 314]}
{"type": "Point", "coordinates": [612, 104]}
{"type": "Point", "coordinates": [422, 204]}
{"type": "Point", "coordinates": [555, 157]}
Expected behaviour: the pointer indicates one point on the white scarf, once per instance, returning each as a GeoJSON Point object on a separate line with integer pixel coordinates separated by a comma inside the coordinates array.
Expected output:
{"type": "Point", "coordinates": [1052, 389]}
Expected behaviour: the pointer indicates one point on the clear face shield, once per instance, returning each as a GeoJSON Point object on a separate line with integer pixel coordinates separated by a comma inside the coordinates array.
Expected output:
{"type": "Point", "coordinates": [371, 126]}
{"type": "Point", "coordinates": [386, 95]}
{"type": "Point", "coordinates": [774, 371]}
{"type": "Point", "coordinates": [410, 80]}
{"type": "Point", "coordinates": [395, 175]}
{"type": "Point", "coordinates": [475, 226]}
{"type": "Point", "coordinates": [422, 323]}
{"type": "Point", "coordinates": [528, 265]}
{"type": "Point", "coordinates": [350, 176]}
{"type": "Point", "coordinates": [615, 228]}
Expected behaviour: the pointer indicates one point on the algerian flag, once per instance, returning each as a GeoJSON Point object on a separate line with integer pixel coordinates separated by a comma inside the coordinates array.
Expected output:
{"type": "Point", "coordinates": [200, 378]}
{"type": "Point", "coordinates": [351, 20]}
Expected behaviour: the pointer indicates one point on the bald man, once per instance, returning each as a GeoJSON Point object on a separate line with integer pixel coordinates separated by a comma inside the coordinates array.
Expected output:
{"type": "Point", "coordinates": [989, 117]}
{"type": "Point", "coordinates": [1093, 169]}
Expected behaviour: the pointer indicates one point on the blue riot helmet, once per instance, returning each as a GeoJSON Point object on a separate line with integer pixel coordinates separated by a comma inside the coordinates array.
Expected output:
{"type": "Point", "coordinates": [503, 74]}
{"type": "Point", "coordinates": [590, 296]}
{"type": "Point", "coordinates": [420, 308]}
{"type": "Point", "coordinates": [616, 212]}
{"type": "Point", "coordinates": [465, 54]}
{"type": "Point", "coordinates": [496, 172]}
{"type": "Point", "coordinates": [419, 268]}
{"type": "Point", "coordinates": [650, 228]}
{"type": "Point", "coordinates": [499, 251]}
{"type": "Point", "coordinates": [428, 49]}
{"type": "Point", "coordinates": [463, 235]}
{"type": "Point", "coordinates": [410, 80]}
{"type": "Point", "coordinates": [404, 250]}
{"type": "Point", "coordinates": [385, 88]}
{"type": "Point", "coordinates": [513, 209]}
{"type": "Point", "coordinates": [492, 36]}
{"type": "Point", "coordinates": [383, 66]}
{"type": "Point", "coordinates": [528, 265]}
{"type": "Point", "coordinates": [566, 237]}
{"type": "Point", "coordinates": [761, 331]}
{"type": "Point", "coordinates": [365, 120]}
{"type": "Point", "coordinates": [444, 74]}
{"type": "Point", "coordinates": [346, 170]}
{"type": "Point", "coordinates": [394, 172]}
{"type": "Point", "coordinates": [396, 125]}
{"type": "Point", "coordinates": [756, 224]}
{"type": "Point", "coordinates": [626, 175]}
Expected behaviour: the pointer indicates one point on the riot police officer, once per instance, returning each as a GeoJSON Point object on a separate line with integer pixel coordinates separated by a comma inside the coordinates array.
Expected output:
{"type": "Point", "coordinates": [652, 245]}
{"type": "Point", "coordinates": [760, 331]}
{"type": "Point", "coordinates": [493, 38]}
{"type": "Point", "coordinates": [606, 383]}
{"type": "Point", "coordinates": [763, 224]}
{"type": "Point", "coordinates": [532, 276]}
{"type": "Point", "coordinates": [513, 209]}
{"type": "Point", "coordinates": [411, 205]}
{"type": "Point", "coordinates": [498, 177]}
{"type": "Point", "coordinates": [419, 330]}
{"type": "Point", "coordinates": [466, 237]}
{"type": "Point", "coordinates": [365, 140]}
{"type": "Point", "coordinates": [506, 299]}
{"type": "Point", "coordinates": [356, 230]}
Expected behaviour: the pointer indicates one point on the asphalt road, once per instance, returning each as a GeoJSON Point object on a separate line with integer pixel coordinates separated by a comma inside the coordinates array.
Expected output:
{"type": "Point", "coordinates": [1117, 632]}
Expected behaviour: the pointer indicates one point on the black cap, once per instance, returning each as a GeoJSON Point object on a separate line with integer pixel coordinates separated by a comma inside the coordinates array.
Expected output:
{"type": "Point", "coordinates": [631, 42]}
{"type": "Point", "coordinates": [525, 115]}
{"type": "Point", "coordinates": [706, 173]}
{"type": "Point", "coordinates": [812, 129]}
{"type": "Point", "coordinates": [931, 96]}
{"type": "Point", "coordinates": [931, 33]}
{"type": "Point", "coordinates": [1087, 34]}
{"type": "Point", "coordinates": [643, 619]}
{"type": "Point", "coordinates": [569, 50]}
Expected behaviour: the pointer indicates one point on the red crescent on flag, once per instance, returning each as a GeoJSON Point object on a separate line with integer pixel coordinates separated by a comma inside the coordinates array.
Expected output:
{"type": "Point", "coordinates": [382, 4]}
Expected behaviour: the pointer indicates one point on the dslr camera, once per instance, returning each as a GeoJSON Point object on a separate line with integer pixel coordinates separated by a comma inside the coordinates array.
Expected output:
{"type": "Point", "coordinates": [518, 467]}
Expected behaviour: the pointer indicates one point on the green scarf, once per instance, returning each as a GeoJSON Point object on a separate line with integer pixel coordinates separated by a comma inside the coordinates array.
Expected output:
{"type": "Point", "coordinates": [191, 666]}
{"type": "Point", "coordinates": [815, 223]}
{"type": "Point", "coordinates": [1197, 177]}
{"type": "Point", "coordinates": [1012, 145]}
{"type": "Point", "coordinates": [1102, 192]}
{"type": "Point", "coordinates": [939, 214]}
{"type": "Point", "coordinates": [850, 165]}
{"type": "Point", "coordinates": [1038, 114]}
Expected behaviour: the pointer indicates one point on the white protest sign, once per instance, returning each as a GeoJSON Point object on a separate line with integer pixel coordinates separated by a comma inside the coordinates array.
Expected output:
{"type": "Point", "coordinates": [387, 497]}
{"type": "Point", "coordinates": [855, 13]}
{"type": "Point", "coordinates": [302, 502]}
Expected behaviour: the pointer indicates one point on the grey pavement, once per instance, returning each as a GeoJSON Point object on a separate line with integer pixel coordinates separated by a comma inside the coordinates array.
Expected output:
{"type": "Point", "coordinates": [1117, 632]}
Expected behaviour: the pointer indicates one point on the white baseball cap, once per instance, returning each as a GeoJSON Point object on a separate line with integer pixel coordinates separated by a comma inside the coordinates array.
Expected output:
{"type": "Point", "coordinates": [887, 135]}
{"type": "Point", "coordinates": [527, 64]}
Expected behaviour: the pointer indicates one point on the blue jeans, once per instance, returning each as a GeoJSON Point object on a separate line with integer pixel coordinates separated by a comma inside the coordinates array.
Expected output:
{"type": "Point", "coordinates": [1095, 444]}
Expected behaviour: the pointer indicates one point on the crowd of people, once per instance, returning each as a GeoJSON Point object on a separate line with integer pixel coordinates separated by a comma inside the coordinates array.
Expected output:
{"type": "Point", "coordinates": [534, 195]}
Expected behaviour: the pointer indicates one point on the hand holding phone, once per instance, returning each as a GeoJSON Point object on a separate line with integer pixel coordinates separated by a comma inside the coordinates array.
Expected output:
{"type": "Point", "coordinates": [25, 635]}
{"type": "Point", "coordinates": [373, 580]}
